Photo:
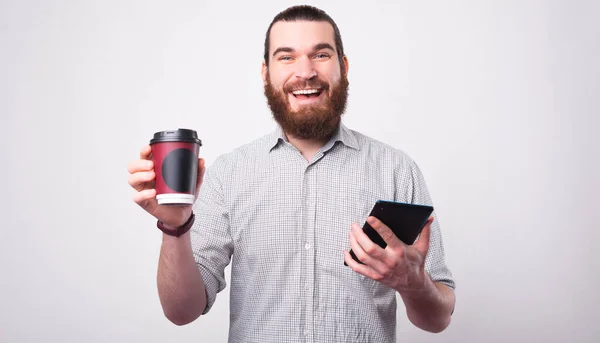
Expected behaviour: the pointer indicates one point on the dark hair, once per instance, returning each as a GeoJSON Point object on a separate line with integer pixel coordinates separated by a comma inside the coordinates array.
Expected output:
{"type": "Point", "coordinates": [306, 13]}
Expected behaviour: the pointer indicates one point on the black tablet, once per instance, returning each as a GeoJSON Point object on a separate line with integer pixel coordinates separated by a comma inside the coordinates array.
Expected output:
{"type": "Point", "coordinates": [405, 220]}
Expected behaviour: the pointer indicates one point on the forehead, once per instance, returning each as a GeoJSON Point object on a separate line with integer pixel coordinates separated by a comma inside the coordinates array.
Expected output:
{"type": "Point", "coordinates": [300, 35]}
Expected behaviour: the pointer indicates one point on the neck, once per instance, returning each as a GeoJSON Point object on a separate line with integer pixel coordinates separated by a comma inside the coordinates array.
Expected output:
{"type": "Point", "coordinates": [308, 147]}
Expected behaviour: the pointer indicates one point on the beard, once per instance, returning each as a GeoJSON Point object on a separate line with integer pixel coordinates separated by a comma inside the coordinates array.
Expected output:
{"type": "Point", "coordinates": [315, 122]}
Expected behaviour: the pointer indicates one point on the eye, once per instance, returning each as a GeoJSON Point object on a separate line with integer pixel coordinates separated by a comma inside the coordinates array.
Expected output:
{"type": "Point", "coordinates": [322, 55]}
{"type": "Point", "coordinates": [285, 58]}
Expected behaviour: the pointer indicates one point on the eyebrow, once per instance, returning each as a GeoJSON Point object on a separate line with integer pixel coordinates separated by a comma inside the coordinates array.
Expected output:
{"type": "Point", "coordinates": [319, 46]}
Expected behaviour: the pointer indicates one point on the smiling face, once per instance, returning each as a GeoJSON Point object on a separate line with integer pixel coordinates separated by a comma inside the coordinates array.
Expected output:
{"type": "Point", "coordinates": [305, 85]}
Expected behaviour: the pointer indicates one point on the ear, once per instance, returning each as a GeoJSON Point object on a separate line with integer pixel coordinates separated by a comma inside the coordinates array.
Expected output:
{"type": "Point", "coordinates": [264, 72]}
{"type": "Point", "coordinates": [346, 65]}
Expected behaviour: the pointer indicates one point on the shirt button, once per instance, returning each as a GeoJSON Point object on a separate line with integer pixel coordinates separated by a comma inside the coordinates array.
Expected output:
{"type": "Point", "coordinates": [306, 246]}
{"type": "Point", "coordinates": [306, 333]}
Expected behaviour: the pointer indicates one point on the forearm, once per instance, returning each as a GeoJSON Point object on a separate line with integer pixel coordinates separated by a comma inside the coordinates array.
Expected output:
{"type": "Point", "coordinates": [431, 309]}
{"type": "Point", "coordinates": [180, 286]}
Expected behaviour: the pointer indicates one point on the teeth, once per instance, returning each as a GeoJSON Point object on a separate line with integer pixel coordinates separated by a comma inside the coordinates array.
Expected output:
{"type": "Point", "coordinates": [305, 91]}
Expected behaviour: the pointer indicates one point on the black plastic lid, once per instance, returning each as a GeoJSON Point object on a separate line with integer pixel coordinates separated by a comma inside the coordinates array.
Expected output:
{"type": "Point", "coordinates": [179, 135]}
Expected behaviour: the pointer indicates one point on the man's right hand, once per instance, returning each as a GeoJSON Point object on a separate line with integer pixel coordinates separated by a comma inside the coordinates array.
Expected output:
{"type": "Point", "coordinates": [142, 178]}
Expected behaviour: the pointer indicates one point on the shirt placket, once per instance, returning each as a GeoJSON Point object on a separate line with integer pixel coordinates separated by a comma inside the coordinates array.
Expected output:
{"type": "Point", "coordinates": [309, 197]}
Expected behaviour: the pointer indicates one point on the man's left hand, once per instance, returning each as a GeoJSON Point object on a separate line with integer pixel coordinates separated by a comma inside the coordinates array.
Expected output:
{"type": "Point", "coordinates": [399, 266]}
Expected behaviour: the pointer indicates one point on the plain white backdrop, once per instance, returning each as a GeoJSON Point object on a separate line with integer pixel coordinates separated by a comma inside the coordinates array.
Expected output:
{"type": "Point", "coordinates": [497, 101]}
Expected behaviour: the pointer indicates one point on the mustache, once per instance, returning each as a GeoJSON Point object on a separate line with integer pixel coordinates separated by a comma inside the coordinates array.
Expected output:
{"type": "Point", "coordinates": [313, 83]}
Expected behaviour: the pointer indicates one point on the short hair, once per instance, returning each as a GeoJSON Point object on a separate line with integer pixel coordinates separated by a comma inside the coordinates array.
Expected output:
{"type": "Point", "coordinates": [305, 13]}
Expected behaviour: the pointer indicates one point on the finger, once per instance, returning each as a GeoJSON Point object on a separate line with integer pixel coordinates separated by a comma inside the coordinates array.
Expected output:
{"type": "Point", "coordinates": [141, 180]}
{"type": "Point", "coordinates": [361, 268]}
{"type": "Point", "coordinates": [201, 171]}
{"type": "Point", "coordinates": [146, 152]}
{"type": "Point", "coordinates": [370, 258]}
{"type": "Point", "coordinates": [200, 177]}
{"type": "Point", "coordinates": [422, 243]}
{"type": "Point", "coordinates": [140, 165]}
{"type": "Point", "coordinates": [145, 197]}
{"type": "Point", "coordinates": [385, 232]}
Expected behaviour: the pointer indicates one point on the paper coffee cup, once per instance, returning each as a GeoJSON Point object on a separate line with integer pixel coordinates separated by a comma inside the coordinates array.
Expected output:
{"type": "Point", "coordinates": [175, 156]}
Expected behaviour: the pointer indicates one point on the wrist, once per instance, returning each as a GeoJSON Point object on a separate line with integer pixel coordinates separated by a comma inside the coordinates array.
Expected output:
{"type": "Point", "coordinates": [174, 241]}
{"type": "Point", "coordinates": [422, 287]}
{"type": "Point", "coordinates": [179, 230]}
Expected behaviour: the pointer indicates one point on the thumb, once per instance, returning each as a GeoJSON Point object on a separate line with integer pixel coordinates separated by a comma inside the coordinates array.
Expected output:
{"type": "Point", "coordinates": [200, 177]}
{"type": "Point", "coordinates": [422, 244]}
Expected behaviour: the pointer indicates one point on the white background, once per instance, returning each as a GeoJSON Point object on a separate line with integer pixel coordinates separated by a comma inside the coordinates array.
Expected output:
{"type": "Point", "coordinates": [497, 101]}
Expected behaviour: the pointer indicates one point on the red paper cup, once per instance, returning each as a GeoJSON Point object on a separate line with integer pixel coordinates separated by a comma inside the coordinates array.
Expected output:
{"type": "Point", "coordinates": [175, 157]}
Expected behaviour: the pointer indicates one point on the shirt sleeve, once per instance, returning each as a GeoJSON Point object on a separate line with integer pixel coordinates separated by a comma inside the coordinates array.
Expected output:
{"type": "Point", "coordinates": [210, 235]}
{"type": "Point", "coordinates": [435, 263]}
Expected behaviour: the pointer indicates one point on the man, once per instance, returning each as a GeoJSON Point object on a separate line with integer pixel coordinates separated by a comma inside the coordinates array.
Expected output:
{"type": "Point", "coordinates": [284, 210]}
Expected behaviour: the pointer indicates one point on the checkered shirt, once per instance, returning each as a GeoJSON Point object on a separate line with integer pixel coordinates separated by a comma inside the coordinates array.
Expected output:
{"type": "Point", "coordinates": [283, 222]}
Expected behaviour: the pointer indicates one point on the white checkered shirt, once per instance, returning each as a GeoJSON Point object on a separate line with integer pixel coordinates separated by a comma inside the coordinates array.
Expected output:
{"type": "Point", "coordinates": [283, 223]}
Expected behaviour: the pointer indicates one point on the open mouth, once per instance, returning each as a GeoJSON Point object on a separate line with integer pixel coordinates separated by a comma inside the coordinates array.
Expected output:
{"type": "Point", "coordinates": [304, 94]}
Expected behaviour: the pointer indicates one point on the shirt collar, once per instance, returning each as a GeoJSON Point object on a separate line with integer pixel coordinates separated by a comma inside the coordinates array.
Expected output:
{"type": "Point", "coordinates": [342, 134]}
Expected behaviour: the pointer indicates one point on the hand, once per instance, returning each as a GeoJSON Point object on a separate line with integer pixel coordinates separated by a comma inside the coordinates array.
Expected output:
{"type": "Point", "coordinates": [142, 178]}
{"type": "Point", "coordinates": [399, 266]}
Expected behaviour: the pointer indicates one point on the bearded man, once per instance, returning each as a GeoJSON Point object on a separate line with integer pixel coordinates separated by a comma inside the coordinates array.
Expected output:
{"type": "Point", "coordinates": [285, 209]}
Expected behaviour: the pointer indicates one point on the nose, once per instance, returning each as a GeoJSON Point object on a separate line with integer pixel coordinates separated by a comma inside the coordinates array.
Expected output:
{"type": "Point", "coordinates": [305, 69]}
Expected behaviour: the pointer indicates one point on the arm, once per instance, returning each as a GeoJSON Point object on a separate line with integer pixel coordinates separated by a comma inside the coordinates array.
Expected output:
{"type": "Point", "coordinates": [186, 287]}
{"type": "Point", "coordinates": [431, 310]}
{"type": "Point", "coordinates": [429, 305]}
{"type": "Point", "coordinates": [180, 286]}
